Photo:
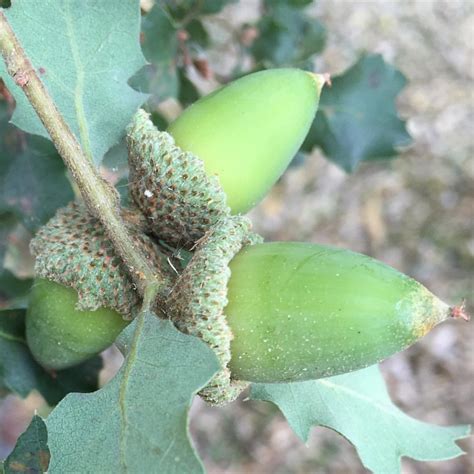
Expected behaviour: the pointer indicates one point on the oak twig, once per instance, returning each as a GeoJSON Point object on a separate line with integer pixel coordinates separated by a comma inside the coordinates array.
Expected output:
{"type": "Point", "coordinates": [100, 196]}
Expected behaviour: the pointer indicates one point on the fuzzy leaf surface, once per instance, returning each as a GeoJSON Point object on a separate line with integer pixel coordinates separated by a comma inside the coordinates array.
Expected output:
{"type": "Point", "coordinates": [31, 453]}
{"type": "Point", "coordinates": [357, 118]}
{"type": "Point", "coordinates": [357, 406]}
{"type": "Point", "coordinates": [138, 422]}
{"type": "Point", "coordinates": [20, 373]}
{"type": "Point", "coordinates": [85, 52]}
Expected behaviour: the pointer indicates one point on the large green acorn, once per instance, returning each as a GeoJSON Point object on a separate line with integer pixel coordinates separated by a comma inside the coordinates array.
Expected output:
{"type": "Point", "coordinates": [284, 312]}
{"type": "Point", "coordinates": [302, 311]}
{"type": "Point", "coordinates": [247, 132]}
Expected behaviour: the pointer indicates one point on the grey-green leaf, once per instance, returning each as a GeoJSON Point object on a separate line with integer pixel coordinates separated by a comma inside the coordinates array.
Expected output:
{"type": "Point", "coordinates": [31, 453]}
{"type": "Point", "coordinates": [138, 422]}
{"type": "Point", "coordinates": [358, 406]}
{"type": "Point", "coordinates": [357, 118]}
{"type": "Point", "coordinates": [85, 52]}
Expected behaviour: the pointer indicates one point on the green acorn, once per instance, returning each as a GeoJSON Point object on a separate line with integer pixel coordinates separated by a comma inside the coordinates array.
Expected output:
{"type": "Point", "coordinates": [284, 312]}
{"type": "Point", "coordinates": [248, 131]}
{"type": "Point", "coordinates": [59, 335]}
{"type": "Point", "coordinates": [302, 311]}
{"type": "Point", "coordinates": [82, 283]}
{"type": "Point", "coordinates": [222, 154]}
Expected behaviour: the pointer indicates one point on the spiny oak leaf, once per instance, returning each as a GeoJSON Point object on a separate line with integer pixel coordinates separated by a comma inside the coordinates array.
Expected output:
{"type": "Point", "coordinates": [84, 52]}
{"type": "Point", "coordinates": [357, 118]}
{"type": "Point", "coordinates": [31, 453]}
{"type": "Point", "coordinates": [357, 406]}
{"type": "Point", "coordinates": [138, 422]}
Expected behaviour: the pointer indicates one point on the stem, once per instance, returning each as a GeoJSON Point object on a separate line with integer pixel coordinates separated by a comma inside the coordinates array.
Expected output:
{"type": "Point", "coordinates": [100, 196]}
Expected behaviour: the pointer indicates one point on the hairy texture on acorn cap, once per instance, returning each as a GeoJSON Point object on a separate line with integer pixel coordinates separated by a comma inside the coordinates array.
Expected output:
{"type": "Point", "coordinates": [171, 187]}
{"type": "Point", "coordinates": [197, 301]}
{"type": "Point", "coordinates": [74, 250]}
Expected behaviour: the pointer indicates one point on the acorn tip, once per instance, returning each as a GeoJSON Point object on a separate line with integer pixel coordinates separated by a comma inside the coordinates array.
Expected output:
{"type": "Point", "coordinates": [327, 79]}
{"type": "Point", "coordinates": [459, 311]}
{"type": "Point", "coordinates": [322, 80]}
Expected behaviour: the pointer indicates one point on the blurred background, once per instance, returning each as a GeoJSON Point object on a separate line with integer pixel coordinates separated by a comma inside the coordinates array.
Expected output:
{"type": "Point", "coordinates": [415, 212]}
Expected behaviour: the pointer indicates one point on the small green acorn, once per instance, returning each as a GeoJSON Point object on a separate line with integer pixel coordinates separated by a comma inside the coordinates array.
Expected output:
{"type": "Point", "coordinates": [59, 335]}
{"type": "Point", "coordinates": [302, 311]}
{"type": "Point", "coordinates": [83, 294]}
{"type": "Point", "coordinates": [247, 132]}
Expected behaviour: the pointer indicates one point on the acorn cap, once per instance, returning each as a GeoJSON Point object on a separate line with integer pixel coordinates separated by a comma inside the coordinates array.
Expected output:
{"type": "Point", "coordinates": [170, 186]}
{"type": "Point", "coordinates": [197, 300]}
{"type": "Point", "coordinates": [74, 250]}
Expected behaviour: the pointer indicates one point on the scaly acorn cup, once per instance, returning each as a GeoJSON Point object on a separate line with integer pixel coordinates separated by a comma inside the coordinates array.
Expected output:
{"type": "Point", "coordinates": [82, 283]}
{"type": "Point", "coordinates": [197, 300]}
{"type": "Point", "coordinates": [294, 311]}
{"type": "Point", "coordinates": [170, 187]}
{"type": "Point", "coordinates": [222, 154]}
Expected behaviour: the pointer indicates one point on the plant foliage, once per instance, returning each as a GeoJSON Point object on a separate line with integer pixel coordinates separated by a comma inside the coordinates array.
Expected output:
{"type": "Point", "coordinates": [357, 118]}
{"type": "Point", "coordinates": [21, 374]}
{"type": "Point", "coordinates": [31, 453]}
{"type": "Point", "coordinates": [143, 410]}
{"type": "Point", "coordinates": [85, 53]}
{"type": "Point", "coordinates": [90, 58]}
{"type": "Point", "coordinates": [357, 406]}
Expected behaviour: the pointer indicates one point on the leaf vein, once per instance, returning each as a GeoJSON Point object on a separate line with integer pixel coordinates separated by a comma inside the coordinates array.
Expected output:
{"type": "Point", "coordinates": [79, 89]}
